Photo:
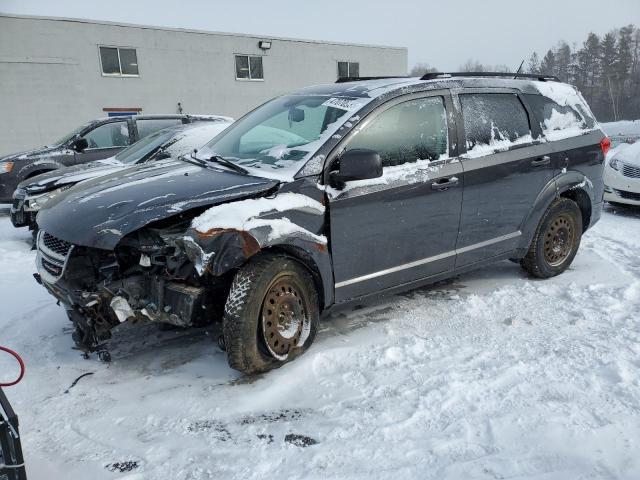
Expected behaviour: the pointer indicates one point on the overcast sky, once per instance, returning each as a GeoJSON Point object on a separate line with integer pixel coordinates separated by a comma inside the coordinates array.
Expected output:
{"type": "Point", "coordinates": [443, 33]}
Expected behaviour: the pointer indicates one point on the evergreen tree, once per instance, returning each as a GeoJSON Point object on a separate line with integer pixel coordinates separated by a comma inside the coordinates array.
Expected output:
{"type": "Point", "coordinates": [548, 65]}
{"type": "Point", "coordinates": [563, 61]}
{"type": "Point", "coordinates": [534, 63]}
{"type": "Point", "coordinates": [608, 60]}
{"type": "Point", "coordinates": [588, 64]}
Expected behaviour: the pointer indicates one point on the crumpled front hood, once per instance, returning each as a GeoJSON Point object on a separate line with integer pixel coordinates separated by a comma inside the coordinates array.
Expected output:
{"type": "Point", "coordinates": [35, 153]}
{"type": "Point", "coordinates": [70, 175]}
{"type": "Point", "coordinates": [99, 212]}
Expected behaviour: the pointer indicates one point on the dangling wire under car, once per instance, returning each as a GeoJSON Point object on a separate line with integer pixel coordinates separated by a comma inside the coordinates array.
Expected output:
{"type": "Point", "coordinates": [20, 363]}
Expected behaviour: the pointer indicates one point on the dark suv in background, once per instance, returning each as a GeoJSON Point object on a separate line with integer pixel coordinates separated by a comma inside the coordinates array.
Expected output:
{"type": "Point", "coordinates": [98, 139]}
{"type": "Point", "coordinates": [327, 196]}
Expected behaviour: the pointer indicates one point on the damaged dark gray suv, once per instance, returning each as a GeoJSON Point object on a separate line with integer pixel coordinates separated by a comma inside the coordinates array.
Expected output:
{"type": "Point", "coordinates": [323, 197]}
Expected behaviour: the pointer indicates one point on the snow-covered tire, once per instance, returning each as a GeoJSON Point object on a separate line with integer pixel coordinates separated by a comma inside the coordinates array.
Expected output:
{"type": "Point", "coordinates": [556, 240]}
{"type": "Point", "coordinates": [245, 320]}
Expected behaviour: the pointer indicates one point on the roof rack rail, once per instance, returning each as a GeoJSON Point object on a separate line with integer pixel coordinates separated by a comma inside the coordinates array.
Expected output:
{"type": "Point", "coordinates": [357, 79]}
{"type": "Point", "coordinates": [531, 76]}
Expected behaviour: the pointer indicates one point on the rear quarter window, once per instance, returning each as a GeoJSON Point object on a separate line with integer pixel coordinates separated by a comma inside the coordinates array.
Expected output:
{"type": "Point", "coordinates": [559, 120]}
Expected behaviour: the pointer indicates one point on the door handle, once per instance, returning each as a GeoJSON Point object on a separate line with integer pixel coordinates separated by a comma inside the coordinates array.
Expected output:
{"type": "Point", "coordinates": [444, 183]}
{"type": "Point", "coordinates": [545, 160]}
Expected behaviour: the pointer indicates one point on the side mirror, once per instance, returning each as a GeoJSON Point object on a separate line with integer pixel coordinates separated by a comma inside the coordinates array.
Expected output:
{"type": "Point", "coordinates": [357, 164]}
{"type": "Point", "coordinates": [79, 144]}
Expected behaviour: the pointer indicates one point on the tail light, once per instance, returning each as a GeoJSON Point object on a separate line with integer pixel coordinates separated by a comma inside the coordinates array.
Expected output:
{"type": "Point", "coordinates": [605, 145]}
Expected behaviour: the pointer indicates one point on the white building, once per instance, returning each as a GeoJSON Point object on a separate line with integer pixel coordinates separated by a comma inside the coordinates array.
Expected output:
{"type": "Point", "coordinates": [56, 73]}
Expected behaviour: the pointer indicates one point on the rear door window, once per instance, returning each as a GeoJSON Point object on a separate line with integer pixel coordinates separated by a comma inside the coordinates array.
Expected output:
{"type": "Point", "coordinates": [493, 120]}
{"type": "Point", "coordinates": [147, 127]}
{"type": "Point", "coordinates": [407, 132]}
{"type": "Point", "coordinates": [108, 135]}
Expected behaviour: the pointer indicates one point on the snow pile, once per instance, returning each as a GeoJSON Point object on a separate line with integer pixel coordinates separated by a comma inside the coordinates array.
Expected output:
{"type": "Point", "coordinates": [629, 154]}
{"type": "Point", "coordinates": [245, 215]}
{"type": "Point", "coordinates": [622, 132]}
{"type": "Point", "coordinates": [623, 127]}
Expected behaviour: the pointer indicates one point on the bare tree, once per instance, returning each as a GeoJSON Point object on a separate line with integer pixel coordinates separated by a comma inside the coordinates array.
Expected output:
{"type": "Point", "coordinates": [420, 69]}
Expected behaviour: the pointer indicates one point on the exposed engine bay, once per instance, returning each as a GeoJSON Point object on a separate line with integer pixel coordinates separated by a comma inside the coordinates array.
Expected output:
{"type": "Point", "coordinates": [149, 276]}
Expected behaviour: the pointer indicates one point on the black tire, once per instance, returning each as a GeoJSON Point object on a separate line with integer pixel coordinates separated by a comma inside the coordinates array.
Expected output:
{"type": "Point", "coordinates": [556, 240]}
{"type": "Point", "coordinates": [245, 320]}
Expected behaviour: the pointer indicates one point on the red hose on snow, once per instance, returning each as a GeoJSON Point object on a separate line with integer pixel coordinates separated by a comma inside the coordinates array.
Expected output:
{"type": "Point", "coordinates": [20, 362]}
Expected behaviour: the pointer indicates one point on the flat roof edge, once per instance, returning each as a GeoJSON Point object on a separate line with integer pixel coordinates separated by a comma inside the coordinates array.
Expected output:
{"type": "Point", "coordinates": [195, 31]}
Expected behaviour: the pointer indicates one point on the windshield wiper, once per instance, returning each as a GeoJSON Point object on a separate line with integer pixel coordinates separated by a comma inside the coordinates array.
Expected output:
{"type": "Point", "coordinates": [228, 163]}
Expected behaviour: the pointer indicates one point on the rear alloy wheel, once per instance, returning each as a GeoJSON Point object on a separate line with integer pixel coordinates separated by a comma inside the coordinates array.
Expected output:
{"type": "Point", "coordinates": [271, 314]}
{"type": "Point", "coordinates": [556, 240]}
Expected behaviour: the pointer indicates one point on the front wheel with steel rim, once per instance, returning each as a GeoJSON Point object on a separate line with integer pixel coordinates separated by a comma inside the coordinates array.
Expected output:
{"type": "Point", "coordinates": [271, 314]}
{"type": "Point", "coordinates": [556, 240]}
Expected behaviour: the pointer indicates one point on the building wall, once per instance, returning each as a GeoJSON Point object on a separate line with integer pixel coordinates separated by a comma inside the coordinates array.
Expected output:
{"type": "Point", "coordinates": [51, 79]}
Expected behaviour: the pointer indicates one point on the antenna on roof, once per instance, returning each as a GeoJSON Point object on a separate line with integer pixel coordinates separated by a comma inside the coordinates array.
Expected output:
{"type": "Point", "coordinates": [519, 69]}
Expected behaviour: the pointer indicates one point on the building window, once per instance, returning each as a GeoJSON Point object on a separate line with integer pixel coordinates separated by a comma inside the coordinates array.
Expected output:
{"type": "Point", "coordinates": [249, 68]}
{"type": "Point", "coordinates": [348, 69]}
{"type": "Point", "coordinates": [116, 61]}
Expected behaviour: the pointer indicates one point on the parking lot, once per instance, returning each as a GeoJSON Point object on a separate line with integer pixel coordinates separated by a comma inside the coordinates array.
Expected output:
{"type": "Point", "coordinates": [490, 375]}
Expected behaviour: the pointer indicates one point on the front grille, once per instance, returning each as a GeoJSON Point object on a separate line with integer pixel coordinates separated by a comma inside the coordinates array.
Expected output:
{"type": "Point", "coordinates": [629, 195]}
{"type": "Point", "coordinates": [55, 244]}
{"type": "Point", "coordinates": [630, 171]}
{"type": "Point", "coordinates": [52, 268]}
{"type": "Point", "coordinates": [53, 255]}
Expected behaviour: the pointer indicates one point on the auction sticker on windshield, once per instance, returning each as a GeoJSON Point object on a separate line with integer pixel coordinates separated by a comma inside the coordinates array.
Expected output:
{"type": "Point", "coordinates": [349, 104]}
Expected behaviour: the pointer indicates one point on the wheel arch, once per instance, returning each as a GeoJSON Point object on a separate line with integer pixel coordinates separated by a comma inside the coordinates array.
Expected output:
{"type": "Point", "coordinates": [235, 248]}
{"type": "Point", "coordinates": [30, 171]}
{"type": "Point", "coordinates": [307, 260]}
{"type": "Point", "coordinates": [573, 185]}
{"type": "Point", "coordinates": [581, 198]}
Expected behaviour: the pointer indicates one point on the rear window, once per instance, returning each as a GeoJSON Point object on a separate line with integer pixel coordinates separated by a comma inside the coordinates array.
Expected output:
{"type": "Point", "coordinates": [492, 121]}
{"type": "Point", "coordinates": [554, 117]}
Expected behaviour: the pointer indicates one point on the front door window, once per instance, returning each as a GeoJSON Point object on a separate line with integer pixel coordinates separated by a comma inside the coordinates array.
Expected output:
{"type": "Point", "coordinates": [109, 135]}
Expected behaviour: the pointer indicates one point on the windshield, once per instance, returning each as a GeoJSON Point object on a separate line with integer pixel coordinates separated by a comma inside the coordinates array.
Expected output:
{"type": "Point", "coordinates": [282, 134]}
{"type": "Point", "coordinates": [193, 138]}
{"type": "Point", "coordinates": [69, 136]}
{"type": "Point", "coordinates": [143, 147]}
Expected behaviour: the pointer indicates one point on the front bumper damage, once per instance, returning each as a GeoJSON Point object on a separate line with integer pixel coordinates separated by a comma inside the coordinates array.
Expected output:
{"type": "Point", "coordinates": [101, 289]}
{"type": "Point", "coordinates": [176, 270]}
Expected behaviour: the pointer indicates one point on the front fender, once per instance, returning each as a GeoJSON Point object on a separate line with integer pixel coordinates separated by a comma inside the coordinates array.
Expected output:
{"type": "Point", "coordinates": [226, 236]}
{"type": "Point", "coordinates": [39, 166]}
{"type": "Point", "coordinates": [556, 187]}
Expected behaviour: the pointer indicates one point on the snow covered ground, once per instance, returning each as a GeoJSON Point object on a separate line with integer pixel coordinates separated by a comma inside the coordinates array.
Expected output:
{"type": "Point", "coordinates": [490, 375]}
